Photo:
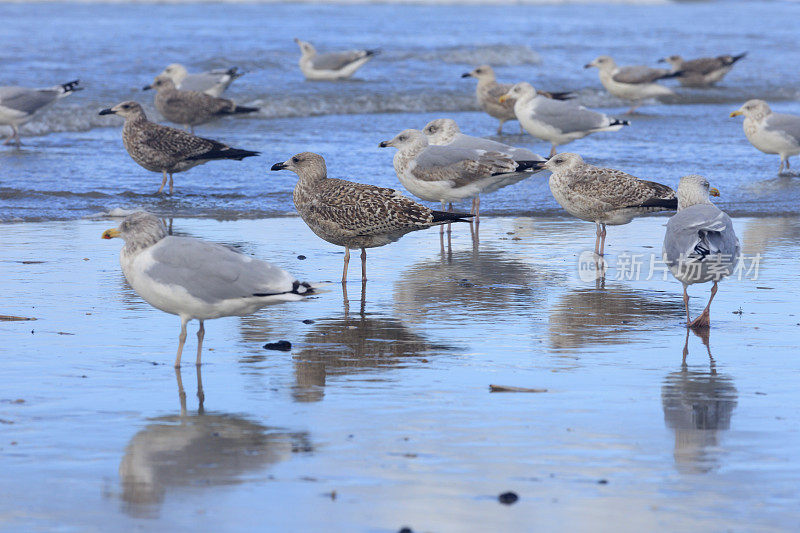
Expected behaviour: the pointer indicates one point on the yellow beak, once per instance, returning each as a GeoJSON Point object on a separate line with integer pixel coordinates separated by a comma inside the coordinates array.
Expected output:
{"type": "Point", "coordinates": [110, 233]}
{"type": "Point", "coordinates": [736, 113]}
{"type": "Point", "coordinates": [503, 98]}
{"type": "Point", "coordinates": [713, 191]}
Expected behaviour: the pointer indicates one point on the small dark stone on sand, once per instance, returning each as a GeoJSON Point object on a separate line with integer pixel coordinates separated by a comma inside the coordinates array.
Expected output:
{"type": "Point", "coordinates": [282, 346]}
{"type": "Point", "coordinates": [602, 482]}
{"type": "Point", "coordinates": [308, 321]}
{"type": "Point", "coordinates": [301, 257]}
{"type": "Point", "coordinates": [507, 498]}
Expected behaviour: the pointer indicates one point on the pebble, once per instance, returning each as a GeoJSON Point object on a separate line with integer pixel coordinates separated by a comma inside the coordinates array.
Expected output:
{"type": "Point", "coordinates": [283, 346]}
{"type": "Point", "coordinates": [507, 498]}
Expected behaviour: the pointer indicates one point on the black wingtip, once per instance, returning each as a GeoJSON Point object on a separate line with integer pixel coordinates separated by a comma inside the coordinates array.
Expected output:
{"type": "Point", "coordinates": [620, 122]}
{"type": "Point", "coordinates": [302, 288]}
{"type": "Point", "coordinates": [374, 52]}
{"type": "Point", "coordinates": [530, 165]}
{"type": "Point", "coordinates": [566, 95]}
{"type": "Point", "coordinates": [71, 86]}
{"type": "Point", "coordinates": [447, 216]}
{"type": "Point", "coordinates": [669, 75]}
{"type": "Point", "coordinates": [244, 109]}
{"type": "Point", "coordinates": [737, 58]}
{"type": "Point", "coordinates": [670, 204]}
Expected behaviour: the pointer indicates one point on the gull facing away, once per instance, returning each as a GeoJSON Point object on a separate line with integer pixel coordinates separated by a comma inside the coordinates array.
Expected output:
{"type": "Point", "coordinates": [332, 65]}
{"type": "Point", "coordinates": [167, 150]}
{"type": "Point", "coordinates": [635, 83]}
{"type": "Point", "coordinates": [18, 105]}
{"type": "Point", "coordinates": [489, 91]}
{"type": "Point", "coordinates": [212, 82]}
{"type": "Point", "coordinates": [355, 215]}
{"type": "Point", "coordinates": [703, 71]}
{"type": "Point", "coordinates": [195, 279]}
{"type": "Point", "coordinates": [445, 132]}
{"type": "Point", "coordinates": [191, 108]}
{"type": "Point", "coordinates": [448, 174]}
{"type": "Point", "coordinates": [555, 121]}
{"type": "Point", "coordinates": [605, 196]}
{"type": "Point", "coordinates": [772, 133]}
{"type": "Point", "coordinates": [700, 244]}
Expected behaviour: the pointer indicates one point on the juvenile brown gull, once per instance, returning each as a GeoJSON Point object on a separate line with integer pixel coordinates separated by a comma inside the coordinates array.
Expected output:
{"type": "Point", "coordinates": [700, 244]}
{"type": "Point", "coordinates": [332, 65]}
{"type": "Point", "coordinates": [212, 82]}
{"type": "Point", "coordinates": [355, 215]}
{"type": "Point", "coordinates": [555, 121]}
{"type": "Point", "coordinates": [18, 105]}
{"type": "Point", "coordinates": [191, 108]}
{"type": "Point", "coordinates": [489, 91]}
{"type": "Point", "coordinates": [772, 133]}
{"type": "Point", "coordinates": [605, 196]}
{"type": "Point", "coordinates": [195, 279]}
{"type": "Point", "coordinates": [635, 83]}
{"type": "Point", "coordinates": [167, 150]}
{"type": "Point", "coordinates": [703, 71]}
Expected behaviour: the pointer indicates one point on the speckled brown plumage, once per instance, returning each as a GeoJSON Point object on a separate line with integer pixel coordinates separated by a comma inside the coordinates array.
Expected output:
{"type": "Point", "coordinates": [191, 108]}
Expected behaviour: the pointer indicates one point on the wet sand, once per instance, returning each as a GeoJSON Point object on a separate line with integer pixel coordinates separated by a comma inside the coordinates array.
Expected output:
{"type": "Point", "coordinates": [380, 416]}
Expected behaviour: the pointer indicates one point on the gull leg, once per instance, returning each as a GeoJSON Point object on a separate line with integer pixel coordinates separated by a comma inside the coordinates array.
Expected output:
{"type": "Point", "coordinates": [686, 305]}
{"type": "Point", "coordinates": [787, 164]}
{"type": "Point", "coordinates": [633, 108]}
{"type": "Point", "coordinates": [441, 226]}
{"type": "Point", "coordinates": [500, 127]}
{"type": "Point", "coordinates": [476, 203]}
{"type": "Point", "coordinates": [363, 265]}
{"type": "Point", "coordinates": [603, 240]}
{"type": "Point", "coordinates": [597, 239]}
{"type": "Point", "coordinates": [181, 341]}
{"type": "Point", "coordinates": [14, 136]}
{"type": "Point", "coordinates": [449, 210]}
{"type": "Point", "coordinates": [704, 320]}
{"type": "Point", "coordinates": [181, 392]}
{"type": "Point", "coordinates": [201, 333]}
{"type": "Point", "coordinates": [163, 181]}
{"type": "Point", "coordinates": [346, 262]}
{"type": "Point", "coordinates": [552, 150]}
{"type": "Point", "coordinates": [201, 396]}
{"type": "Point", "coordinates": [171, 186]}
{"type": "Point", "coordinates": [521, 129]}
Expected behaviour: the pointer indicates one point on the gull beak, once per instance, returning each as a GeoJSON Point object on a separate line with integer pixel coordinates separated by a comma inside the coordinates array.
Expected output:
{"type": "Point", "coordinates": [736, 113]}
{"type": "Point", "coordinates": [466, 75]}
{"type": "Point", "coordinates": [107, 111]}
{"type": "Point", "coordinates": [662, 60]}
{"type": "Point", "coordinates": [713, 191]}
{"type": "Point", "coordinates": [279, 166]}
{"type": "Point", "coordinates": [110, 233]}
{"type": "Point", "coordinates": [588, 65]}
{"type": "Point", "coordinates": [503, 98]}
{"type": "Point", "coordinates": [147, 87]}
{"type": "Point", "coordinates": [385, 144]}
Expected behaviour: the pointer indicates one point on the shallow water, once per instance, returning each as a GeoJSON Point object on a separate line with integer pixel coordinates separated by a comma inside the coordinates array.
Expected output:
{"type": "Point", "coordinates": [73, 164]}
{"type": "Point", "coordinates": [385, 402]}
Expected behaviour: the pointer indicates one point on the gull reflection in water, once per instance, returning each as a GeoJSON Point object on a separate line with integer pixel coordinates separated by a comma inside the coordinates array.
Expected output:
{"type": "Point", "coordinates": [353, 343]}
{"type": "Point", "coordinates": [697, 405]}
{"type": "Point", "coordinates": [587, 316]}
{"type": "Point", "coordinates": [204, 449]}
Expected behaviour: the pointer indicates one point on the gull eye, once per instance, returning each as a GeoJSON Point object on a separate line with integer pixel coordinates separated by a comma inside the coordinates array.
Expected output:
{"type": "Point", "coordinates": [295, 159]}
{"type": "Point", "coordinates": [402, 138]}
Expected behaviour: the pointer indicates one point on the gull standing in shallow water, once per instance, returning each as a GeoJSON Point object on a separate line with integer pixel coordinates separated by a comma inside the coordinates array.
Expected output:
{"type": "Point", "coordinates": [605, 196]}
{"type": "Point", "coordinates": [703, 71]}
{"type": "Point", "coordinates": [635, 83]}
{"type": "Point", "coordinates": [167, 150]}
{"type": "Point", "coordinates": [18, 105]}
{"type": "Point", "coordinates": [700, 244]}
{"type": "Point", "coordinates": [212, 82]}
{"type": "Point", "coordinates": [772, 133]}
{"type": "Point", "coordinates": [332, 65]}
{"type": "Point", "coordinates": [195, 279]}
{"type": "Point", "coordinates": [489, 92]}
{"type": "Point", "coordinates": [191, 108]}
{"type": "Point", "coordinates": [445, 132]}
{"type": "Point", "coordinates": [555, 121]}
{"type": "Point", "coordinates": [355, 215]}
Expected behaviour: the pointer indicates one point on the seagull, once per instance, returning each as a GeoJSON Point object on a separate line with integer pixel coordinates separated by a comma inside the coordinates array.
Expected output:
{"type": "Point", "coordinates": [212, 82]}
{"type": "Point", "coordinates": [448, 174]}
{"type": "Point", "coordinates": [167, 150]}
{"type": "Point", "coordinates": [18, 105]}
{"type": "Point", "coordinates": [635, 83]}
{"type": "Point", "coordinates": [355, 215]}
{"type": "Point", "coordinates": [701, 72]}
{"type": "Point", "coordinates": [605, 196]}
{"type": "Point", "coordinates": [555, 121]}
{"type": "Point", "coordinates": [333, 65]}
{"type": "Point", "coordinates": [191, 108]}
{"type": "Point", "coordinates": [489, 91]}
{"type": "Point", "coordinates": [195, 279]}
{"type": "Point", "coordinates": [772, 133]}
{"type": "Point", "coordinates": [700, 244]}
{"type": "Point", "coordinates": [445, 132]}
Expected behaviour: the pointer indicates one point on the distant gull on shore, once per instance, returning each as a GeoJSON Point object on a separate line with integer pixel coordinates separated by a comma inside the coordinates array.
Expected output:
{"type": "Point", "coordinates": [605, 196]}
{"type": "Point", "coordinates": [703, 71]}
{"type": "Point", "coordinates": [555, 121]}
{"type": "Point", "coordinates": [635, 83]}
{"type": "Point", "coordinates": [195, 279]}
{"type": "Point", "coordinates": [191, 108]}
{"type": "Point", "coordinates": [448, 174]}
{"type": "Point", "coordinates": [445, 132]}
{"type": "Point", "coordinates": [212, 82]}
{"type": "Point", "coordinates": [700, 244]}
{"type": "Point", "coordinates": [355, 215]}
{"type": "Point", "coordinates": [489, 91]}
{"type": "Point", "coordinates": [18, 105]}
{"type": "Point", "coordinates": [331, 65]}
{"type": "Point", "coordinates": [772, 133]}
{"type": "Point", "coordinates": [164, 149]}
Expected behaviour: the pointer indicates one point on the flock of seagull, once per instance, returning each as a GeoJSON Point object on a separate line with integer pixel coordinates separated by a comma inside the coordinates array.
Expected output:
{"type": "Point", "coordinates": [199, 280]}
